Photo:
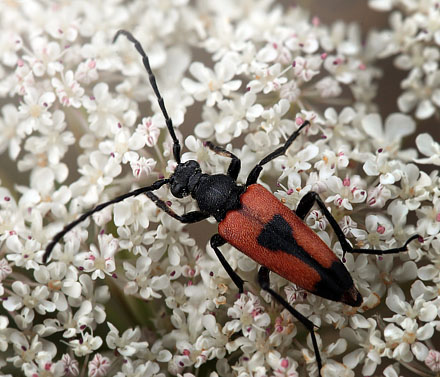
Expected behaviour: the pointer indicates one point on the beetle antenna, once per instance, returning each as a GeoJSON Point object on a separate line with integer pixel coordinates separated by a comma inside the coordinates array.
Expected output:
{"type": "Point", "coordinates": [98, 208]}
{"type": "Point", "coordinates": [152, 78]}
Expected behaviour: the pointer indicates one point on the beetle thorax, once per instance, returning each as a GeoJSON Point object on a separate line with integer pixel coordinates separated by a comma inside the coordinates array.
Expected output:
{"type": "Point", "coordinates": [217, 194]}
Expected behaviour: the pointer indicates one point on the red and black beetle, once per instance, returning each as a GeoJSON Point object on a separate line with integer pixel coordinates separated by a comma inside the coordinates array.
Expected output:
{"type": "Point", "coordinates": [254, 221]}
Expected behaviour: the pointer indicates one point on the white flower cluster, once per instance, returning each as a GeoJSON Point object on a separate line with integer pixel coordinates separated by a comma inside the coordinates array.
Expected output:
{"type": "Point", "coordinates": [130, 292]}
{"type": "Point", "coordinates": [414, 43]}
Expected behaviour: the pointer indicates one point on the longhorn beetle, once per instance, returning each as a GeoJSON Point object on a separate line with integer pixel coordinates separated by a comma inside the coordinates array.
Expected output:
{"type": "Point", "coordinates": [254, 221]}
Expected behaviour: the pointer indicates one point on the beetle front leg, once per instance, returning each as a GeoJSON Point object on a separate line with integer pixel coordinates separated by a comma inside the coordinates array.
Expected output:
{"type": "Point", "coordinates": [186, 218]}
{"type": "Point", "coordinates": [216, 241]}
{"type": "Point", "coordinates": [234, 166]}
{"type": "Point", "coordinates": [264, 281]}
{"type": "Point", "coordinates": [307, 202]}
{"type": "Point", "coordinates": [255, 172]}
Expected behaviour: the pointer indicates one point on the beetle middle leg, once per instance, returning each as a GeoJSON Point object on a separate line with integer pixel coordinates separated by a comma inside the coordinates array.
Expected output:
{"type": "Point", "coordinates": [216, 241]}
{"type": "Point", "coordinates": [307, 202]}
{"type": "Point", "coordinates": [264, 281]}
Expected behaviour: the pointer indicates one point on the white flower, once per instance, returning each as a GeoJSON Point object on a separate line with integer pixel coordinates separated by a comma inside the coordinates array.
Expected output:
{"type": "Point", "coordinates": [274, 120]}
{"type": "Point", "coordinates": [236, 116]}
{"type": "Point", "coordinates": [423, 95]}
{"type": "Point", "coordinates": [429, 218]}
{"type": "Point", "coordinates": [382, 5]}
{"type": "Point", "coordinates": [139, 278]}
{"type": "Point", "coordinates": [306, 68]}
{"type": "Point", "coordinates": [380, 165]}
{"type": "Point", "coordinates": [61, 280]}
{"type": "Point", "coordinates": [5, 269]}
{"type": "Point", "coordinates": [68, 90]}
{"type": "Point", "coordinates": [389, 136]}
{"type": "Point", "coordinates": [250, 317]}
{"type": "Point", "coordinates": [328, 87]}
{"type": "Point", "coordinates": [267, 79]}
{"type": "Point", "coordinates": [341, 68]}
{"type": "Point", "coordinates": [26, 255]}
{"type": "Point", "coordinates": [347, 191]}
{"type": "Point", "coordinates": [4, 333]}
{"type": "Point", "coordinates": [144, 369]}
{"type": "Point", "coordinates": [70, 365]}
{"type": "Point", "coordinates": [122, 146]}
{"type": "Point", "coordinates": [414, 185]}
{"type": "Point", "coordinates": [364, 334]}
{"type": "Point", "coordinates": [142, 166]}
{"type": "Point", "coordinates": [295, 163]}
{"type": "Point", "coordinates": [87, 72]}
{"type": "Point", "coordinates": [23, 297]}
{"type": "Point", "coordinates": [9, 135]}
{"type": "Point", "coordinates": [86, 345]}
{"type": "Point", "coordinates": [99, 366]}
{"type": "Point", "coordinates": [378, 228]}
{"type": "Point", "coordinates": [340, 124]}
{"type": "Point", "coordinates": [149, 130]}
{"type": "Point", "coordinates": [11, 43]}
{"type": "Point", "coordinates": [168, 237]}
{"type": "Point", "coordinates": [67, 322]}
{"type": "Point", "coordinates": [427, 146]}
{"type": "Point", "coordinates": [45, 57]}
{"type": "Point", "coordinates": [137, 211]}
{"type": "Point", "coordinates": [405, 340]}
{"type": "Point", "coordinates": [425, 311]}
{"type": "Point", "coordinates": [35, 110]}
{"type": "Point", "coordinates": [44, 365]}
{"type": "Point", "coordinates": [28, 350]}
{"type": "Point", "coordinates": [332, 161]}
{"type": "Point", "coordinates": [290, 91]}
{"type": "Point", "coordinates": [106, 112]}
{"type": "Point", "coordinates": [433, 360]}
{"type": "Point", "coordinates": [378, 196]}
{"type": "Point", "coordinates": [98, 173]}
{"type": "Point", "coordinates": [54, 140]}
{"type": "Point", "coordinates": [282, 367]}
{"type": "Point", "coordinates": [128, 344]}
{"type": "Point", "coordinates": [212, 85]}
{"type": "Point", "coordinates": [101, 261]}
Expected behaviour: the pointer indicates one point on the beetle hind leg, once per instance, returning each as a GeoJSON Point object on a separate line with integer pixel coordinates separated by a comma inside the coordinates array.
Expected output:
{"type": "Point", "coordinates": [264, 281]}
{"type": "Point", "coordinates": [307, 202]}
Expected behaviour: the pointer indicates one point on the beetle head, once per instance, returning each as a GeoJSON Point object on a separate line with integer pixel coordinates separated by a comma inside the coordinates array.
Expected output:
{"type": "Point", "coordinates": [185, 178]}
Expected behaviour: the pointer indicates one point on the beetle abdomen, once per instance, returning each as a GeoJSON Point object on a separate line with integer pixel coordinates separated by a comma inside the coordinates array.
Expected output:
{"type": "Point", "coordinates": [274, 236]}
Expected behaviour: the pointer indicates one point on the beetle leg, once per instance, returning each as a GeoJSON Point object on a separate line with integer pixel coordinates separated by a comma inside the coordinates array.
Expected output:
{"type": "Point", "coordinates": [190, 217]}
{"type": "Point", "coordinates": [307, 202]}
{"type": "Point", "coordinates": [255, 172]}
{"type": "Point", "coordinates": [264, 281]}
{"type": "Point", "coordinates": [216, 241]}
{"type": "Point", "coordinates": [234, 166]}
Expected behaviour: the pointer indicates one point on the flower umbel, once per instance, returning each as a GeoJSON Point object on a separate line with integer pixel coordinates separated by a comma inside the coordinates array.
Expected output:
{"type": "Point", "coordinates": [131, 291]}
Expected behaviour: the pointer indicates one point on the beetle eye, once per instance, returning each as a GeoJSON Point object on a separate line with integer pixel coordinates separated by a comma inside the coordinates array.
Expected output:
{"type": "Point", "coordinates": [178, 190]}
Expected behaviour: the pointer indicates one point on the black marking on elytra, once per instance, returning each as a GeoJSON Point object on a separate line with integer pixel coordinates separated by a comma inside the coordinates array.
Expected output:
{"type": "Point", "coordinates": [338, 274]}
{"type": "Point", "coordinates": [277, 236]}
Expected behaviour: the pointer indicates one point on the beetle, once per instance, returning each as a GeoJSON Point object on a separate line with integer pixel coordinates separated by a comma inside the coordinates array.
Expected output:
{"type": "Point", "coordinates": [254, 221]}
